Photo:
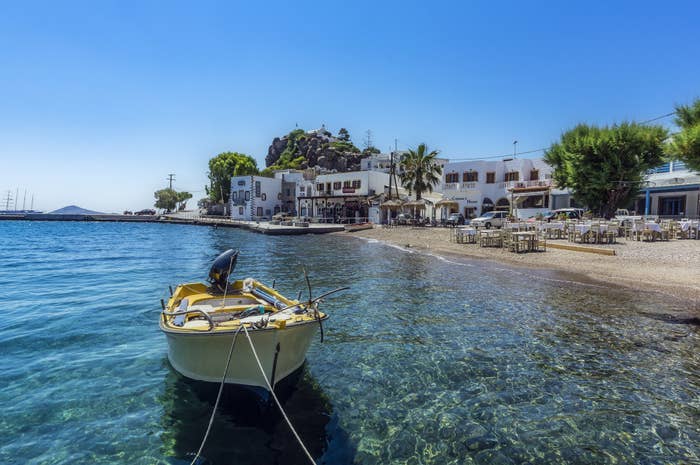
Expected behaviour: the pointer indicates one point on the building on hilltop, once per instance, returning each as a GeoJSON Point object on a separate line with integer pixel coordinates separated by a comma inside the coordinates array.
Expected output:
{"type": "Point", "coordinates": [670, 191]}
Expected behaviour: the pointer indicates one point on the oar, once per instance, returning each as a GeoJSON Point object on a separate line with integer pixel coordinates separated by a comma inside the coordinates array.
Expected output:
{"type": "Point", "coordinates": [306, 304]}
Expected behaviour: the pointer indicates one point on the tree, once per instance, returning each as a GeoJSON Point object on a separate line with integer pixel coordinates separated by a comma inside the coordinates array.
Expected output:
{"type": "Point", "coordinates": [222, 168]}
{"type": "Point", "coordinates": [344, 135]}
{"type": "Point", "coordinates": [420, 172]}
{"type": "Point", "coordinates": [605, 166]}
{"type": "Point", "coordinates": [685, 145]}
{"type": "Point", "coordinates": [182, 198]}
{"type": "Point", "coordinates": [166, 199]}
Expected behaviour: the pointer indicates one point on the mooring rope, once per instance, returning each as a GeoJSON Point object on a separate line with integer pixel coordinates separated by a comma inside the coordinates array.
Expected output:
{"type": "Point", "coordinates": [218, 396]}
{"type": "Point", "coordinates": [272, 391]}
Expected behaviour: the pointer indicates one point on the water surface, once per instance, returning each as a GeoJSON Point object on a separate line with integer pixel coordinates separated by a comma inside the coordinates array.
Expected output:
{"type": "Point", "coordinates": [426, 360]}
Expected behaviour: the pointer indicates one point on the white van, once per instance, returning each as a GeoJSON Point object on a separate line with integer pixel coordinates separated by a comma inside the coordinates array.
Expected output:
{"type": "Point", "coordinates": [492, 219]}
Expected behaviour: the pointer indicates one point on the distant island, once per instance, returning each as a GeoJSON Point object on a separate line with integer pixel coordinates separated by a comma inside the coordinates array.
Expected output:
{"type": "Point", "coordinates": [75, 210]}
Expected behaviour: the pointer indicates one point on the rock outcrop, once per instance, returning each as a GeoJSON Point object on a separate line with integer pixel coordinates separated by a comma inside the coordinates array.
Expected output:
{"type": "Point", "coordinates": [319, 149]}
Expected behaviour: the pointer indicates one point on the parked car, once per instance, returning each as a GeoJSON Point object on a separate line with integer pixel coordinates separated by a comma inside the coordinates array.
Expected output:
{"type": "Point", "coordinates": [282, 216]}
{"type": "Point", "coordinates": [455, 219]}
{"type": "Point", "coordinates": [404, 218]}
{"type": "Point", "coordinates": [544, 216]}
{"type": "Point", "coordinates": [569, 213]}
{"type": "Point", "coordinates": [147, 211]}
{"type": "Point", "coordinates": [492, 219]}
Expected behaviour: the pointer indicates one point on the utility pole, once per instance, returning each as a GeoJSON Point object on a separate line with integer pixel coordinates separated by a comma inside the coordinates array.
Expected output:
{"type": "Point", "coordinates": [391, 171]}
{"type": "Point", "coordinates": [393, 167]}
{"type": "Point", "coordinates": [171, 177]}
{"type": "Point", "coordinates": [368, 139]}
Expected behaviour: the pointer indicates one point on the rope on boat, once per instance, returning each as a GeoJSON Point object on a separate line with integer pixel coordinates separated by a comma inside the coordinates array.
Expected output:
{"type": "Point", "coordinates": [218, 396]}
{"type": "Point", "coordinates": [274, 396]}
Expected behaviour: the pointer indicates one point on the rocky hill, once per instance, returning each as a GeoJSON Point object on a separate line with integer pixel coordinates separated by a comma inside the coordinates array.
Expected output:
{"type": "Point", "coordinates": [314, 149]}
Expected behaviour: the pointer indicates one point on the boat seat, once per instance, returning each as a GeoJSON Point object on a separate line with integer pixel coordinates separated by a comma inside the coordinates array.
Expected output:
{"type": "Point", "coordinates": [204, 307]}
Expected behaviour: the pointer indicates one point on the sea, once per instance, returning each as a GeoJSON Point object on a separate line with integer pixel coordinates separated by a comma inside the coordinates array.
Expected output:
{"type": "Point", "coordinates": [425, 360]}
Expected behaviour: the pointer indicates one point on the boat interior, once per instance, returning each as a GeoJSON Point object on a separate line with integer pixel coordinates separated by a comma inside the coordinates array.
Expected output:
{"type": "Point", "coordinates": [194, 307]}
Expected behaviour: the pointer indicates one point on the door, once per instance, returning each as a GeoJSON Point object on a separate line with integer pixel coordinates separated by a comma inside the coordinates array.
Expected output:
{"type": "Point", "coordinates": [672, 206]}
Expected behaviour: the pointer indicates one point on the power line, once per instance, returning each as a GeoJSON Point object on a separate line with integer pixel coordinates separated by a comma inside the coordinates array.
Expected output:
{"type": "Point", "coordinates": [543, 148]}
{"type": "Point", "coordinates": [505, 155]}
{"type": "Point", "coordinates": [658, 117]}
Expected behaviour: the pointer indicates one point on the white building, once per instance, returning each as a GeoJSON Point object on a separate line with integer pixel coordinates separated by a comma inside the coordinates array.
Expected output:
{"type": "Point", "coordinates": [255, 198]}
{"type": "Point", "coordinates": [671, 191]}
{"type": "Point", "coordinates": [522, 185]}
{"type": "Point", "coordinates": [382, 162]}
{"type": "Point", "coordinates": [342, 196]}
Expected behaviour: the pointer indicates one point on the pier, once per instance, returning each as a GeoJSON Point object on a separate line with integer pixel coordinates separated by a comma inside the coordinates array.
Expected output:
{"type": "Point", "coordinates": [290, 228]}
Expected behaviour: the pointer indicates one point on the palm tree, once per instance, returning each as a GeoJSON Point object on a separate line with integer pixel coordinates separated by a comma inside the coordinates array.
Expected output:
{"type": "Point", "coordinates": [420, 172]}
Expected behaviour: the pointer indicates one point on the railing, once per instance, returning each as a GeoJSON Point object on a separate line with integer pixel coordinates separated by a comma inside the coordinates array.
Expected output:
{"type": "Point", "coordinates": [524, 184]}
{"type": "Point", "coordinates": [459, 186]}
{"type": "Point", "coordinates": [193, 310]}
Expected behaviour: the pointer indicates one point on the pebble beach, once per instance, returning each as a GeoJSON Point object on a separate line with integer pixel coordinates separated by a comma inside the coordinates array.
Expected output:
{"type": "Point", "coordinates": [669, 267]}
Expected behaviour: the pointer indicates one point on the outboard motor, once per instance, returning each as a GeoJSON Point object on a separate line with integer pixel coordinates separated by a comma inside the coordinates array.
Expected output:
{"type": "Point", "coordinates": [221, 269]}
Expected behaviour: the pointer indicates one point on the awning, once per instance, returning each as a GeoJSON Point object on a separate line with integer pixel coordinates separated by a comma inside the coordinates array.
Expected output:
{"type": "Point", "coordinates": [447, 203]}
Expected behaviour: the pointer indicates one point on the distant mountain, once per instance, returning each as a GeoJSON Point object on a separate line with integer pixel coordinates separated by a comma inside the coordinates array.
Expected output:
{"type": "Point", "coordinates": [75, 210]}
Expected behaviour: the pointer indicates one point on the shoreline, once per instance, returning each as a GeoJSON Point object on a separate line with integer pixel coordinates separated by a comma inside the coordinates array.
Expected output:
{"type": "Point", "coordinates": [669, 268]}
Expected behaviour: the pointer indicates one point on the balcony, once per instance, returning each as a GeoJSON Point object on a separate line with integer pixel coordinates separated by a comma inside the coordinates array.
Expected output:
{"type": "Point", "coordinates": [510, 185]}
{"type": "Point", "coordinates": [459, 186]}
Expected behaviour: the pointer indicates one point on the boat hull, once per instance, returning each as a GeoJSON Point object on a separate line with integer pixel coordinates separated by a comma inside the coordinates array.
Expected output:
{"type": "Point", "coordinates": [202, 356]}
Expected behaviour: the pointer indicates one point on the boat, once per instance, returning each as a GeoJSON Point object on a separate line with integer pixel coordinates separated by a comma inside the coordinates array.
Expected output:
{"type": "Point", "coordinates": [358, 227]}
{"type": "Point", "coordinates": [201, 321]}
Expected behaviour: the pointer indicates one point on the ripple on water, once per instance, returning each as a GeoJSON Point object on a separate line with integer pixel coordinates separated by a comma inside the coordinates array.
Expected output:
{"type": "Point", "coordinates": [427, 360]}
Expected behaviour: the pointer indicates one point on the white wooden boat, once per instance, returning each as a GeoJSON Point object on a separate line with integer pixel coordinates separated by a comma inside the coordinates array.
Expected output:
{"type": "Point", "coordinates": [201, 320]}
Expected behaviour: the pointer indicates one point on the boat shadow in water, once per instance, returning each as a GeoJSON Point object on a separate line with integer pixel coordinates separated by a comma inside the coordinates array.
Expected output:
{"type": "Point", "coordinates": [248, 427]}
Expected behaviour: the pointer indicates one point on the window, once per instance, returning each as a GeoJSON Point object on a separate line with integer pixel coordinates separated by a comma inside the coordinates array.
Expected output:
{"type": "Point", "coordinates": [257, 188]}
{"type": "Point", "coordinates": [241, 183]}
{"type": "Point", "coordinates": [672, 206]}
{"type": "Point", "coordinates": [233, 196]}
{"type": "Point", "coordinates": [347, 184]}
{"type": "Point", "coordinates": [259, 212]}
{"type": "Point", "coordinates": [288, 193]}
{"type": "Point", "coordinates": [534, 175]}
{"type": "Point", "coordinates": [452, 177]}
{"type": "Point", "coordinates": [356, 184]}
{"type": "Point", "coordinates": [240, 210]}
{"type": "Point", "coordinates": [336, 185]}
{"type": "Point", "coordinates": [490, 177]}
{"type": "Point", "coordinates": [247, 195]}
{"type": "Point", "coordinates": [319, 187]}
{"type": "Point", "coordinates": [264, 197]}
{"type": "Point", "coordinates": [512, 176]}
{"type": "Point", "coordinates": [470, 176]}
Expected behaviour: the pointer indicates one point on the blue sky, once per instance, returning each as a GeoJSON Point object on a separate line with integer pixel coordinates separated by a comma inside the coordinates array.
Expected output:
{"type": "Point", "coordinates": [99, 101]}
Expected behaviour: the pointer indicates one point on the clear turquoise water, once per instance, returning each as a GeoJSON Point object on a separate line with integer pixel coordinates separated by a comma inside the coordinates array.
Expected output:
{"type": "Point", "coordinates": [426, 361]}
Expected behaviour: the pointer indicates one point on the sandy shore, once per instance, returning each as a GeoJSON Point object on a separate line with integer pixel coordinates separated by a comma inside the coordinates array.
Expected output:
{"type": "Point", "coordinates": [672, 267]}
